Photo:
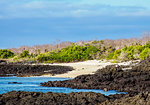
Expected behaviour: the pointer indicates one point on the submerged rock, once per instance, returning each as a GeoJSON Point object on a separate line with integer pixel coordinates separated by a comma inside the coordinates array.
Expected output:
{"type": "Point", "coordinates": [14, 83]}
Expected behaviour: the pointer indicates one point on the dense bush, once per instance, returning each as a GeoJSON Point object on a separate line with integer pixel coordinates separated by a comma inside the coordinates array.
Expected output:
{"type": "Point", "coordinates": [24, 54]}
{"type": "Point", "coordinates": [72, 53]}
{"type": "Point", "coordinates": [131, 53]}
{"type": "Point", "coordinates": [88, 52]}
{"type": "Point", "coordinates": [110, 56]}
{"type": "Point", "coordinates": [144, 53]}
{"type": "Point", "coordinates": [6, 54]}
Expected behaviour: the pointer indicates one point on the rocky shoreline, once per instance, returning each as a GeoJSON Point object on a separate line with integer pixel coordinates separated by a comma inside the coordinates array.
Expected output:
{"type": "Point", "coordinates": [49, 98]}
{"type": "Point", "coordinates": [82, 98]}
{"type": "Point", "coordinates": [135, 80]}
{"type": "Point", "coordinates": [22, 70]}
{"type": "Point", "coordinates": [113, 77]}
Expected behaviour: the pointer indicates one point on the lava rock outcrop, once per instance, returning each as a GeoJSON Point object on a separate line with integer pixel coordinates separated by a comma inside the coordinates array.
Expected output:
{"type": "Point", "coordinates": [32, 70]}
{"type": "Point", "coordinates": [38, 98]}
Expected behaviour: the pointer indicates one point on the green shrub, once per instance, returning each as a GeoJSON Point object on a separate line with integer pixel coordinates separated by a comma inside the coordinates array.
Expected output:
{"type": "Point", "coordinates": [95, 42]}
{"type": "Point", "coordinates": [130, 52]}
{"type": "Point", "coordinates": [144, 53]}
{"type": "Point", "coordinates": [116, 54]}
{"type": "Point", "coordinates": [110, 56]}
{"type": "Point", "coordinates": [24, 54]}
{"type": "Point", "coordinates": [5, 54]}
{"type": "Point", "coordinates": [137, 51]}
{"type": "Point", "coordinates": [125, 48]}
{"type": "Point", "coordinates": [147, 45]}
{"type": "Point", "coordinates": [71, 53]}
{"type": "Point", "coordinates": [43, 57]}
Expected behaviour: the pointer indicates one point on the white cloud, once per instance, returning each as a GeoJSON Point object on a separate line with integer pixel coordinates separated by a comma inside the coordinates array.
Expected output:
{"type": "Point", "coordinates": [62, 8]}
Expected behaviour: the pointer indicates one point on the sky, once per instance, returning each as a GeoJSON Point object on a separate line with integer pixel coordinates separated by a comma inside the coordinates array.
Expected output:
{"type": "Point", "coordinates": [37, 22]}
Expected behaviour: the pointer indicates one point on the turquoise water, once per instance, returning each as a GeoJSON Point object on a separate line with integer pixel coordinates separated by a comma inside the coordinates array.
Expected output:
{"type": "Point", "coordinates": [32, 84]}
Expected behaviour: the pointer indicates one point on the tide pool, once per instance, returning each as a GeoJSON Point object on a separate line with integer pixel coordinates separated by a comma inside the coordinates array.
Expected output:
{"type": "Point", "coordinates": [32, 84]}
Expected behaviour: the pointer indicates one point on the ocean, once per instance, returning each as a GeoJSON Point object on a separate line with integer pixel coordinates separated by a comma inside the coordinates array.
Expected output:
{"type": "Point", "coordinates": [32, 84]}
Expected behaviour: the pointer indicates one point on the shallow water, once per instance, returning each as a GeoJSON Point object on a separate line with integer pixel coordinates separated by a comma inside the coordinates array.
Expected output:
{"type": "Point", "coordinates": [32, 84]}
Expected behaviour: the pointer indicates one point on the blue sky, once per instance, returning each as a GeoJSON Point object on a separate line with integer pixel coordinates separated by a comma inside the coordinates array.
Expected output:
{"type": "Point", "coordinates": [36, 22]}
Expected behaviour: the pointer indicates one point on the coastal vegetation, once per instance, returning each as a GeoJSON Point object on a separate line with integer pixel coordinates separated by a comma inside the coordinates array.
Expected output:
{"type": "Point", "coordinates": [132, 52]}
{"type": "Point", "coordinates": [5, 54]}
{"type": "Point", "coordinates": [89, 52]}
{"type": "Point", "coordinates": [113, 50]}
{"type": "Point", "coordinates": [82, 53]}
{"type": "Point", "coordinates": [25, 53]}
{"type": "Point", "coordinates": [71, 53]}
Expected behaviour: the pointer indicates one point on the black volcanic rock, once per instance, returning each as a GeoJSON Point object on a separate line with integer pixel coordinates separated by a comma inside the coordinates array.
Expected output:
{"type": "Point", "coordinates": [82, 98]}
{"type": "Point", "coordinates": [32, 70]}
{"type": "Point", "coordinates": [38, 98]}
{"type": "Point", "coordinates": [14, 83]}
{"type": "Point", "coordinates": [140, 99]}
{"type": "Point", "coordinates": [3, 62]}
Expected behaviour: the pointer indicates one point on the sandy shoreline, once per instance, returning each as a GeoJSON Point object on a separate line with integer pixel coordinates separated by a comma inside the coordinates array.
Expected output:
{"type": "Point", "coordinates": [83, 68]}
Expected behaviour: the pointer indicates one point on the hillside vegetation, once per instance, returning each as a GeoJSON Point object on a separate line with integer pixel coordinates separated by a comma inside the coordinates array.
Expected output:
{"type": "Point", "coordinates": [88, 51]}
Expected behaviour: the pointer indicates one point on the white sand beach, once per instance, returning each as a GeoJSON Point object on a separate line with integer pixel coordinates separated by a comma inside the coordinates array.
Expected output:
{"type": "Point", "coordinates": [85, 67]}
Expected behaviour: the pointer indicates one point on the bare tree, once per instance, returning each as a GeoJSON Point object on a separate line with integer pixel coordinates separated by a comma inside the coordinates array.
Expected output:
{"type": "Point", "coordinates": [117, 44]}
